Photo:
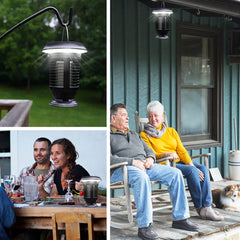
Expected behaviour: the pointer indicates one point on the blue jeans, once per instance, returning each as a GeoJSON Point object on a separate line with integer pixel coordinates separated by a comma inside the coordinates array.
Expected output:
{"type": "Point", "coordinates": [200, 191]}
{"type": "Point", "coordinates": [140, 183]}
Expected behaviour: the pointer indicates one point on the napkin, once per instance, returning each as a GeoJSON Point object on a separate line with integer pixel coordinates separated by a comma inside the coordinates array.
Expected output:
{"type": "Point", "coordinates": [20, 205]}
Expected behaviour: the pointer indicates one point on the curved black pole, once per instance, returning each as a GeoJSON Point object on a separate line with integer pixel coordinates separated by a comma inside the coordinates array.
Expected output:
{"type": "Point", "coordinates": [37, 14]}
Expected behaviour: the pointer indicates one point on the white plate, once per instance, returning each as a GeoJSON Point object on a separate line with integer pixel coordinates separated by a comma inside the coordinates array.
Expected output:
{"type": "Point", "coordinates": [57, 199]}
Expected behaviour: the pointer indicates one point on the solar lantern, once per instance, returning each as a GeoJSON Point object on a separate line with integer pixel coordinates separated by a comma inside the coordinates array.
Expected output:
{"type": "Point", "coordinates": [162, 18]}
{"type": "Point", "coordinates": [64, 66]}
{"type": "Point", "coordinates": [64, 71]}
{"type": "Point", "coordinates": [90, 186]}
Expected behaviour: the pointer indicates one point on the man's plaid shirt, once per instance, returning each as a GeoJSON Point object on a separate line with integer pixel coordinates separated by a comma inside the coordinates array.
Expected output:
{"type": "Point", "coordinates": [49, 177]}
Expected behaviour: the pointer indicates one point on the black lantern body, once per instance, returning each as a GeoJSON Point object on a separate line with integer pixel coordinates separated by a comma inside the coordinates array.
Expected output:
{"type": "Point", "coordinates": [64, 75]}
{"type": "Point", "coordinates": [64, 71]}
{"type": "Point", "coordinates": [90, 189]}
{"type": "Point", "coordinates": [162, 27]}
{"type": "Point", "coordinates": [162, 22]}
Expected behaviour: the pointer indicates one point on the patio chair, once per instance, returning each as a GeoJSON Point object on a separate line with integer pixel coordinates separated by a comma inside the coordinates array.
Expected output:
{"type": "Point", "coordinates": [72, 224]}
{"type": "Point", "coordinates": [141, 121]}
{"type": "Point", "coordinates": [140, 126]}
{"type": "Point", "coordinates": [160, 201]}
{"type": "Point", "coordinates": [127, 207]}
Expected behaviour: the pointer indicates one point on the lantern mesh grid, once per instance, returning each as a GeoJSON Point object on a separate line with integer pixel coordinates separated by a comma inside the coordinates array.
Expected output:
{"type": "Point", "coordinates": [64, 73]}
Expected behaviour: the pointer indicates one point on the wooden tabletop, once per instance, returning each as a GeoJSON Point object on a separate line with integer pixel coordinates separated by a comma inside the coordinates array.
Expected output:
{"type": "Point", "coordinates": [47, 210]}
{"type": "Point", "coordinates": [39, 217]}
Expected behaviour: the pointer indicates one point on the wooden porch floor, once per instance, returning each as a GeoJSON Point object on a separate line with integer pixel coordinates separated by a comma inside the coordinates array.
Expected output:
{"type": "Point", "coordinates": [229, 228]}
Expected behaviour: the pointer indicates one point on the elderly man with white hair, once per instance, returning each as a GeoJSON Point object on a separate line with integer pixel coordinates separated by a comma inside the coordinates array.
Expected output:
{"type": "Point", "coordinates": [165, 142]}
{"type": "Point", "coordinates": [127, 146]}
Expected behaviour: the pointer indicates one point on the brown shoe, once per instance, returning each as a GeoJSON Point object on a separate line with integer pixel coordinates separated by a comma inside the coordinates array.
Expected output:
{"type": "Point", "coordinates": [147, 233]}
{"type": "Point", "coordinates": [185, 224]}
{"type": "Point", "coordinates": [209, 214]}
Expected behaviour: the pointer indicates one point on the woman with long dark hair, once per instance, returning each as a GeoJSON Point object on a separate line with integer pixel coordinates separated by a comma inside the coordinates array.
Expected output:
{"type": "Point", "coordinates": [64, 155]}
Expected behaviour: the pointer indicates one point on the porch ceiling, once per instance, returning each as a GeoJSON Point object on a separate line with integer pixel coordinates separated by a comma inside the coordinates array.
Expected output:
{"type": "Point", "coordinates": [229, 8]}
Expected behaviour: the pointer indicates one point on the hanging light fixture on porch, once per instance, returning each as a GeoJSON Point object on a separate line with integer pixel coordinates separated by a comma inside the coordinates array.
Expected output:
{"type": "Point", "coordinates": [162, 17]}
{"type": "Point", "coordinates": [63, 63]}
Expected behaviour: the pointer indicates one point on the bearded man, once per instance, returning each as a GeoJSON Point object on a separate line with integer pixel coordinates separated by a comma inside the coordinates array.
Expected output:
{"type": "Point", "coordinates": [43, 168]}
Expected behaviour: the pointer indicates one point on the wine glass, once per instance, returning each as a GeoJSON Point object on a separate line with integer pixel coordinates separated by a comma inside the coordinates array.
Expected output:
{"type": "Point", "coordinates": [16, 185]}
{"type": "Point", "coordinates": [68, 195]}
{"type": "Point", "coordinates": [8, 182]}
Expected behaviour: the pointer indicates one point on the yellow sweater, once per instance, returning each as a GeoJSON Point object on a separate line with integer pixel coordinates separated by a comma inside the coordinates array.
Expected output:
{"type": "Point", "coordinates": [169, 142]}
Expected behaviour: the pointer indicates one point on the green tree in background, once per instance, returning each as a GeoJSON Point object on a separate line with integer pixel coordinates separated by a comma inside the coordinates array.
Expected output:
{"type": "Point", "coordinates": [22, 62]}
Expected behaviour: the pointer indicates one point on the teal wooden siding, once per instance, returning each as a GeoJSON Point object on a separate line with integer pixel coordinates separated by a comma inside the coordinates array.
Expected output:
{"type": "Point", "coordinates": [143, 68]}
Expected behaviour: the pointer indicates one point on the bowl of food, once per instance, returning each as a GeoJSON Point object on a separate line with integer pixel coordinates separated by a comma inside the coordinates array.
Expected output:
{"type": "Point", "coordinates": [17, 199]}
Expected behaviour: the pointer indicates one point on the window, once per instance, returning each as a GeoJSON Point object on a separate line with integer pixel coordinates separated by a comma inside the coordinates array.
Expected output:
{"type": "Point", "coordinates": [199, 86]}
{"type": "Point", "coordinates": [4, 153]}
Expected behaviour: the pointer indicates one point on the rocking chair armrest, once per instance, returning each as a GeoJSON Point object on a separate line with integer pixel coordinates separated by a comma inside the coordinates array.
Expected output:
{"type": "Point", "coordinates": [205, 156]}
{"type": "Point", "coordinates": [117, 165]}
{"type": "Point", "coordinates": [201, 155]}
{"type": "Point", "coordinates": [167, 160]}
{"type": "Point", "coordinates": [163, 159]}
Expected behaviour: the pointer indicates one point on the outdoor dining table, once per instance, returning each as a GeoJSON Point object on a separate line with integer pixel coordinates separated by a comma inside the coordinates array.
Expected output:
{"type": "Point", "coordinates": [40, 217]}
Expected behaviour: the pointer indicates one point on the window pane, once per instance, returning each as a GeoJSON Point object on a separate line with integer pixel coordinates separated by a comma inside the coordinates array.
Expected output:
{"type": "Point", "coordinates": [196, 60]}
{"type": "Point", "coordinates": [195, 111]}
{"type": "Point", "coordinates": [4, 141]}
{"type": "Point", "coordinates": [5, 166]}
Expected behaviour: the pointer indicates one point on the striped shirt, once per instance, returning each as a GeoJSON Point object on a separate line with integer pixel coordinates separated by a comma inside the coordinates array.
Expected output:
{"type": "Point", "coordinates": [48, 178]}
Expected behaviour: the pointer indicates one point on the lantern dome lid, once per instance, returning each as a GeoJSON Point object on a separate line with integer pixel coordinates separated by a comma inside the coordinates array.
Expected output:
{"type": "Point", "coordinates": [64, 47]}
{"type": "Point", "coordinates": [91, 179]}
{"type": "Point", "coordinates": [162, 11]}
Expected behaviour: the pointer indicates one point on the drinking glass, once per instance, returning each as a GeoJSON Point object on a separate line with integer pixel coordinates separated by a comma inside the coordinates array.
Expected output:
{"type": "Point", "coordinates": [68, 195]}
{"type": "Point", "coordinates": [30, 186]}
{"type": "Point", "coordinates": [16, 185]}
{"type": "Point", "coordinates": [8, 182]}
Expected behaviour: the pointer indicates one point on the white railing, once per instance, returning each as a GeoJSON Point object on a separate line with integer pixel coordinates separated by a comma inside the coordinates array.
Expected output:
{"type": "Point", "coordinates": [18, 113]}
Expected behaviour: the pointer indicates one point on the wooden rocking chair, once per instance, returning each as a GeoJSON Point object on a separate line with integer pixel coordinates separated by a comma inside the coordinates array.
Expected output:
{"type": "Point", "coordinates": [127, 208]}
{"type": "Point", "coordinates": [140, 126]}
{"type": "Point", "coordinates": [159, 201]}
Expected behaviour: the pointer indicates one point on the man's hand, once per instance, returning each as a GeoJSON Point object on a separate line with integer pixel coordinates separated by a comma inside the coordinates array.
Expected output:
{"type": "Point", "coordinates": [40, 182]}
{"type": "Point", "coordinates": [40, 178]}
{"type": "Point", "coordinates": [139, 164]}
{"type": "Point", "coordinates": [40, 187]}
{"type": "Point", "coordinates": [148, 162]}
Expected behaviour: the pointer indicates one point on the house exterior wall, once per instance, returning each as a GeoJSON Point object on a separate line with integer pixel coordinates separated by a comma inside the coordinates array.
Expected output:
{"type": "Point", "coordinates": [144, 68]}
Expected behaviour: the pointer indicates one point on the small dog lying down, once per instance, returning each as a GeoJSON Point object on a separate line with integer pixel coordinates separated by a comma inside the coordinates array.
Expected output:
{"type": "Point", "coordinates": [228, 198]}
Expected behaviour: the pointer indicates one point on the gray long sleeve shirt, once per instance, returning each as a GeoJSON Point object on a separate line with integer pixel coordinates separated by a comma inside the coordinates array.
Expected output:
{"type": "Point", "coordinates": [126, 147]}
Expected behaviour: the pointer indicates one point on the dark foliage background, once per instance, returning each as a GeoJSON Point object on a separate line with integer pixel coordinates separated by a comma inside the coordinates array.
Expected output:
{"type": "Point", "coordinates": [21, 59]}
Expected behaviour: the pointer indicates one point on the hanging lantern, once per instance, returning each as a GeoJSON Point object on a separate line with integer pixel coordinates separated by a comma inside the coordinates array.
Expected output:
{"type": "Point", "coordinates": [162, 22]}
{"type": "Point", "coordinates": [64, 71]}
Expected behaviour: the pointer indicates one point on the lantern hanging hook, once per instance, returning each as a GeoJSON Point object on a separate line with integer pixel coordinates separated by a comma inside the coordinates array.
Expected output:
{"type": "Point", "coordinates": [37, 14]}
{"type": "Point", "coordinates": [67, 33]}
{"type": "Point", "coordinates": [162, 4]}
